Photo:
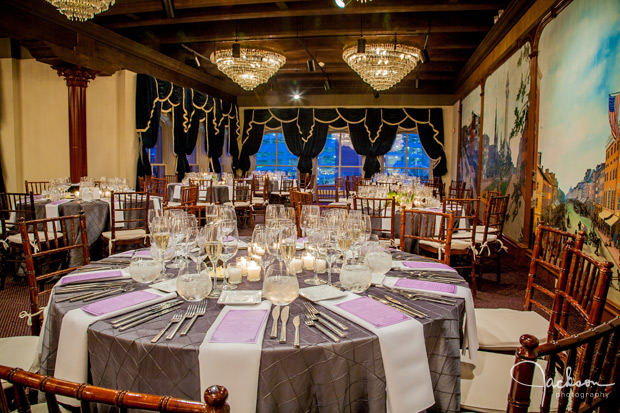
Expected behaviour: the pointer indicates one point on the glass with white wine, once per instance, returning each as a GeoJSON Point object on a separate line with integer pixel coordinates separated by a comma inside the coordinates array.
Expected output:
{"type": "Point", "coordinates": [287, 239]}
{"type": "Point", "coordinates": [160, 236]}
{"type": "Point", "coordinates": [213, 249]}
{"type": "Point", "coordinates": [280, 287]}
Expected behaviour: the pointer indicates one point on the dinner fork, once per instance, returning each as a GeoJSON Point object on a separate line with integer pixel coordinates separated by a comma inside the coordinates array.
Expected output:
{"type": "Point", "coordinates": [327, 324]}
{"type": "Point", "coordinates": [312, 309]}
{"type": "Point", "coordinates": [200, 311]}
{"type": "Point", "coordinates": [308, 321]}
{"type": "Point", "coordinates": [178, 316]}
{"type": "Point", "coordinates": [189, 313]}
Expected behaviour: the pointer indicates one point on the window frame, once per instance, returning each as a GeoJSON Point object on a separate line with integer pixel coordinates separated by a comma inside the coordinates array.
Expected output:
{"type": "Point", "coordinates": [386, 169]}
{"type": "Point", "coordinates": [339, 166]}
{"type": "Point", "coordinates": [278, 134]}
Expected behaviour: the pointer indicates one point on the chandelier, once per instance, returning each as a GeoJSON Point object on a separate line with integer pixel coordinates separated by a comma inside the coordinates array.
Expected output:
{"type": "Point", "coordinates": [253, 66]}
{"type": "Point", "coordinates": [81, 10]}
{"type": "Point", "coordinates": [382, 64]}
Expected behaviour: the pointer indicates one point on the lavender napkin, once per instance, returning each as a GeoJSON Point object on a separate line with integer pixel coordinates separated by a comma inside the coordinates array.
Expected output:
{"type": "Point", "coordinates": [240, 326]}
{"type": "Point", "coordinates": [119, 302]}
{"type": "Point", "coordinates": [426, 285]}
{"type": "Point", "coordinates": [374, 312]}
{"type": "Point", "coordinates": [101, 275]}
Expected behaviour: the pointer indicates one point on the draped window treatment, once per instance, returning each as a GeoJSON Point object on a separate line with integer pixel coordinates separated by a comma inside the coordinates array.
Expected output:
{"type": "Point", "coordinates": [372, 133]}
{"type": "Point", "coordinates": [189, 108]}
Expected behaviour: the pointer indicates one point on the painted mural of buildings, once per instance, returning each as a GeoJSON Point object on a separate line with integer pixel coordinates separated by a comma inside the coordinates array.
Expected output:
{"type": "Point", "coordinates": [546, 190]}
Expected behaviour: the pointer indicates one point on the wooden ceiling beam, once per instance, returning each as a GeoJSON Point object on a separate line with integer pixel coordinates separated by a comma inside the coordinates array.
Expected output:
{"type": "Point", "coordinates": [211, 14]}
{"type": "Point", "coordinates": [97, 48]}
{"type": "Point", "coordinates": [126, 7]}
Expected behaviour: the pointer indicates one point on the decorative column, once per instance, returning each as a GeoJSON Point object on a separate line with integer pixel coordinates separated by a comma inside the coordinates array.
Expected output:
{"type": "Point", "coordinates": [77, 78]}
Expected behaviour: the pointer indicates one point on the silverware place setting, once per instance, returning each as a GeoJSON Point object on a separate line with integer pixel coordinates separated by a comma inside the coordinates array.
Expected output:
{"type": "Point", "coordinates": [284, 319]}
{"type": "Point", "coordinates": [189, 313]}
{"type": "Point", "coordinates": [410, 311]}
{"type": "Point", "coordinates": [176, 318]}
{"type": "Point", "coordinates": [200, 311]}
{"type": "Point", "coordinates": [422, 296]}
{"type": "Point", "coordinates": [309, 322]}
{"type": "Point", "coordinates": [275, 316]}
{"type": "Point", "coordinates": [138, 315]}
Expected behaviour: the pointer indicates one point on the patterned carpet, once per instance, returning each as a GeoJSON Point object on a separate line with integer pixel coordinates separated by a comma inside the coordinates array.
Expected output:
{"type": "Point", "coordinates": [508, 294]}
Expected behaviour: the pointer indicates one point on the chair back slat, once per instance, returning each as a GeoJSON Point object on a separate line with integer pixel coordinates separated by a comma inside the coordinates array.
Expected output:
{"type": "Point", "coordinates": [158, 187]}
{"type": "Point", "coordinates": [590, 359]}
{"type": "Point", "coordinates": [49, 257]}
{"type": "Point", "coordinates": [242, 191]}
{"type": "Point", "coordinates": [13, 206]}
{"type": "Point", "coordinates": [305, 181]}
{"type": "Point", "coordinates": [215, 396]}
{"type": "Point", "coordinates": [172, 179]}
{"type": "Point", "coordinates": [205, 189]}
{"type": "Point", "coordinates": [326, 194]}
{"type": "Point", "coordinates": [189, 195]}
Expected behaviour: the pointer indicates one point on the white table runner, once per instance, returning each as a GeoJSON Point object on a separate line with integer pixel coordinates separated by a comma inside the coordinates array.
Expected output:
{"type": "Point", "coordinates": [51, 211]}
{"type": "Point", "coordinates": [235, 366]}
{"type": "Point", "coordinates": [72, 355]}
{"type": "Point", "coordinates": [408, 378]}
{"type": "Point", "coordinates": [470, 333]}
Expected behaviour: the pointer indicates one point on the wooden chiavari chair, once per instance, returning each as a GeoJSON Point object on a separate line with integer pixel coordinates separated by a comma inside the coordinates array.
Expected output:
{"type": "Point", "coordinates": [242, 199]}
{"type": "Point", "coordinates": [305, 181]}
{"type": "Point", "coordinates": [578, 304]}
{"type": "Point", "coordinates": [189, 195]}
{"type": "Point", "coordinates": [214, 396]}
{"type": "Point", "coordinates": [300, 199]}
{"type": "Point", "coordinates": [457, 189]}
{"type": "Point", "coordinates": [599, 368]}
{"type": "Point", "coordinates": [37, 187]}
{"type": "Point", "coordinates": [379, 210]}
{"type": "Point", "coordinates": [326, 194]}
{"type": "Point", "coordinates": [351, 186]}
{"type": "Point", "coordinates": [488, 237]}
{"type": "Point", "coordinates": [158, 187]}
{"type": "Point", "coordinates": [432, 230]}
{"type": "Point", "coordinates": [13, 205]}
{"type": "Point", "coordinates": [129, 220]}
{"type": "Point", "coordinates": [172, 179]}
{"type": "Point", "coordinates": [341, 185]}
{"type": "Point", "coordinates": [205, 189]}
{"type": "Point", "coordinates": [48, 246]}
{"type": "Point", "coordinates": [196, 210]}
{"type": "Point", "coordinates": [499, 329]}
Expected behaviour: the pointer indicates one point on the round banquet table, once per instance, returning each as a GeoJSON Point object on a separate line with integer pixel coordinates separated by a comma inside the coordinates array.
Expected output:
{"type": "Point", "coordinates": [319, 376]}
{"type": "Point", "coordinates": [221, 193]}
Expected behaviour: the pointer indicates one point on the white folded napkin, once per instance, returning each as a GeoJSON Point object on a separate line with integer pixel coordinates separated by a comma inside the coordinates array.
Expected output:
{"type": "Point", "coordinates": [177, 192]}
{"type": "Point", "coordinates": [233, 365]}
{"type": "Point", "coordinates": [408, 378]}
{"type": "Point", "coordinates": [72, 353]}
{"type": "Point", "coordinates": [470, 331]}
{"type": "Point", "coordinates": [51, 211]}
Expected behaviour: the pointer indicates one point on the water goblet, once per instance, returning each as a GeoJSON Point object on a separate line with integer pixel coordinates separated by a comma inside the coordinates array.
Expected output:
{"type": "Point", "coordinates": [280, 287]}
{"type": "Point", "coordinates": [193, 282]}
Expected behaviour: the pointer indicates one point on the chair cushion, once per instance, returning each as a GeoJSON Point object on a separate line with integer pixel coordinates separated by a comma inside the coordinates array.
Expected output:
{"type": "Point", "coordinates": [479, 236]}
{"type": "Point", "coordinates": [499, 329]}
{"type": "Point", "coordinates": [239, 204]}
{"type": "Point", "coordinates": [125, 234]}
{"type": "Point", "coordinates": [455, 244]}
{"type": "Point", "coordinates": [17, 238]}
{"type": "Point", "coordinates": [485, 383]}
{"type": "Point", "coordinates": [42, 408]}
{"type": "Point", "coordinates": [18, 351]}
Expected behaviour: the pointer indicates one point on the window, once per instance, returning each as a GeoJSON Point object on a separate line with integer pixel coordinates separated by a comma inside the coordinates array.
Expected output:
{"type": "Point", "coordinates": [338, 159]}
{"type": "Point", "coordinates": [407, 157]}
{"type": "Point", "coordinates": [274, 155]}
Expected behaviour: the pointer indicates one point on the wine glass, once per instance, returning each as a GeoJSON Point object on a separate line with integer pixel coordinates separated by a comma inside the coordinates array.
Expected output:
{"type": "Point", "coordinates": [211, 214]}
{"type": "Point", "coordinates": [160, 234]}
{"type": "Point", "coordinates": [227, 212]}
{"type": "Point", "coordinates": [330, 250]}
{"type": "Point", "coordinates": [287, 240]}
{"type": "Point", "coordinates": [178, 226]}
{"type": "Point", "coordinates": [355, 277]}
{"type": "Point", "coordinates": [315, 239]}
{"type": "Point", "coordinates": [280, 287]}
{"type": "Point", "coordinates": [193, 282]}
{"type": "Point", "coordinates": [213, 248]}
{"type": "Point", "coordinates": [230, 246]}
{"type": "Point", "coordinates": [305, 219]}
{"type": "Point", "coordinates": [261, 239]}
{"type": "Point", "coordinates": [273, 212]}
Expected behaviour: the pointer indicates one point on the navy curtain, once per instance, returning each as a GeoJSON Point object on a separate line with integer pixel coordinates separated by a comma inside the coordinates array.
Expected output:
{"type": "Point", "coordinates": [372, 132]}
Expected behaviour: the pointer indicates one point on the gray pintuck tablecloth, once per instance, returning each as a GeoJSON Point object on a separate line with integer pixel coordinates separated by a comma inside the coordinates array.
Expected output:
{"type": "Point", "coordinates": [220, 193]}
{"type": "Point", "coordinates": [320, 376]}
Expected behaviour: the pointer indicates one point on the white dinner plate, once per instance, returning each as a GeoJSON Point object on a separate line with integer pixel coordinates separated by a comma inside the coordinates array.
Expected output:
{"type": "Point", "coordinates": [321, 292]}
{"type": "Point", "coordinates": [240, 297]}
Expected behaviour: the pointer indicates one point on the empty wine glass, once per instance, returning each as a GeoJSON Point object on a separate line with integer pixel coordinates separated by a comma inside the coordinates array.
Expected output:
{"type": "Point", "coordinates": [280, 287]}
{"type": "Point", "coordinates": [330, 250]}
{"type": "Point", "coordinates": [211, 214]}
{"type": "Point", "coordinates": [143, 270]}
{"type": "Point", "coordinates": [261, 239]}
{"type": "Point", "coordinates": [230, 246]}
{"type": "Point", "coordinates": [306, 217]}
{"type": "Point", "coordinates": [315, 239]}
{"type": "Point", "coordinates": [193, 282]}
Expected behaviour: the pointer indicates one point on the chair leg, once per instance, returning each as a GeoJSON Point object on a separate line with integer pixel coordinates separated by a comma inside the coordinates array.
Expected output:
{"type": "Point", "coordinates": [474, 286]}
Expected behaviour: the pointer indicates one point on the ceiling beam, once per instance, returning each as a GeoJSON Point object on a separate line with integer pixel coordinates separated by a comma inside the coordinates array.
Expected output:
{"type": "Point", "coordinates": [125, 7]}
{"type": "Point", "coordinates": [94, 47]}
{"type": "Point", "coordinates": [210, 14]}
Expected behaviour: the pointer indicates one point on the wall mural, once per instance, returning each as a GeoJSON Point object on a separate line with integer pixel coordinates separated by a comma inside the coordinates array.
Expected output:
{"type": "Point", "coordinates": [506, 102]}
{"type": "Point", "coordinates": [469, 144]}
{"type": "Point", "coordinates": [579, 57]}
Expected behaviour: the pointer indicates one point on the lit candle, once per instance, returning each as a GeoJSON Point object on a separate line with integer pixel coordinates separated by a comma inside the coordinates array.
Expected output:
{"type": "Point", "coordinates": [234, 274]}
{"type": "Point", "coordinates": [77, 194]}
{"type": "Point", "coordinates": [258, 250]}
{"type": "Point", "coordinates": [297, 265]}
{"type": "Point", "coordinates": [321, 266]}
{"type": "Point", "coordinates": [242, 263]}
{"type": "Point", "coordinates": [253, 271]}
{"type": "Point", "coordinates": [308, 260]}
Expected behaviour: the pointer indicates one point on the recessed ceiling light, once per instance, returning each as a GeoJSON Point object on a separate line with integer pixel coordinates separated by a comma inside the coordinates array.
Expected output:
{"type": "Point", "coordinates": [340, 3]}
{"type": "Point", "coordinates": [321, 64]}
{"type": "Point", "coordinates": [296, 96]}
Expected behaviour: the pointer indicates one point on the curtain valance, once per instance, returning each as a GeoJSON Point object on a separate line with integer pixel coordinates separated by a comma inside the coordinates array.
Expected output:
{"type": "Point", "coordinates": [372, 132]}
{"type": "Point", "coordinates": [188, 109]}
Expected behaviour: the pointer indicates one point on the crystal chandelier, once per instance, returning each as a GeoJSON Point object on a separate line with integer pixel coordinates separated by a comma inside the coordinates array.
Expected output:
{"type": "Point", "coordinates": [253, 66]}
{"type": "Point", "coordinates": [382, 64]}
{"type": "Point", "coordinates": [81, 10]}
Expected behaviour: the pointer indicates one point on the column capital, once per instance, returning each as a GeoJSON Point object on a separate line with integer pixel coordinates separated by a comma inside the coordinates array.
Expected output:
{"type": "Point", "coordinates": [76, 75]}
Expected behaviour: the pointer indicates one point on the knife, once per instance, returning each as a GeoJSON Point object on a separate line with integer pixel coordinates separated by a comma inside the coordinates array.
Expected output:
{"type": "Point", "coordinates": [275, 314]}
{"type": "Point", "coordinates": [284, 318]}
{"type": "Point", "coordinates": [145, 310]}
{"type": "Point", "coordinates": [147, 318]}
{"type": "Point", "coordinates": [395, 301]}
{"type": "Point", "coordinates": [296, 324]}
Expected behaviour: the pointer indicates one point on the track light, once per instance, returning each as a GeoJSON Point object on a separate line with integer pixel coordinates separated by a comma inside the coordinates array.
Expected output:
{"type": "Point", "coordinates": [361, 45]}
{"type": "Point", "coordinates": [327, 85]}
{"type": "Point", "coordinates": [311, 66]}
{"type": "Point", "coordinates": [417, 83]}
{"type": "Point", "coordinates": [340, 3]}
{"type": "Point", "coordinates": [197, 60]}
{"type": "Point", "coordinates": [236, 50]}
